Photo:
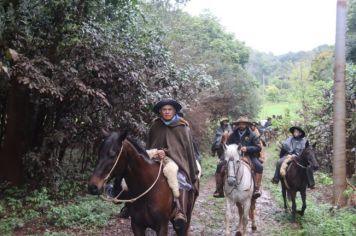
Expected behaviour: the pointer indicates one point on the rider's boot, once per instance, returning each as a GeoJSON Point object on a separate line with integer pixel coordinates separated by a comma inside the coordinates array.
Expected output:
{"type": "Point", "coordinates": [276, 176]}
{"type": "Point", "coordinates": [257, 191]}
{"type": "Point", "coordinates": [219, 192]}
{"type": "Point", "coordinates": [310, 177]}
{"type": "Point", "coordinates": [180, 218]}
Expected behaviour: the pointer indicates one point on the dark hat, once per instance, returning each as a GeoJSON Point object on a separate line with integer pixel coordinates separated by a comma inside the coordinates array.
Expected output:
{"type": "Point", "coordinates": [165, 102]}
{"type": "Point", "coordinates": [242, 119]}
{"type": "Point", "coordinates": [291, 129]}
{"type": "Point", "coordinates": [255, 123]}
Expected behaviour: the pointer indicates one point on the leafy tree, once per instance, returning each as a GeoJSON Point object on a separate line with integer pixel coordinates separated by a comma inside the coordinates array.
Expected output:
{"type": "Point", "coordinates": [70, 68]}
{"type": "Point", "coordinates": [272, 93]}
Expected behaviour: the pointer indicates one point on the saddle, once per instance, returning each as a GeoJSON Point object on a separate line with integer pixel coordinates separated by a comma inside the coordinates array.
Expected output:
{"type": "Point", "coordinates": [246, 160]}
{"type": "Point", "coordinates": [284, 167]}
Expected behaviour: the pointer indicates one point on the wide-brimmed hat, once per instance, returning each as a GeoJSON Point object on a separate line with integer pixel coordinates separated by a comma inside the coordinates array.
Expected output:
{"type": "Point", "coordinates": [291, 129]}
{"type": "Point", "coordinates": [242, 119]}
{"type": "Point", "coordinates": [224, 119]}
{"type": "Point", "coordinates": [165, 102]}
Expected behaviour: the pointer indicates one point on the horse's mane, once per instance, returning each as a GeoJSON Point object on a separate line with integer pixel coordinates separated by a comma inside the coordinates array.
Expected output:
{"type": "Point", "coordinates": [231, 151]}
{"type": "Point", "coordinates": [138, 147]}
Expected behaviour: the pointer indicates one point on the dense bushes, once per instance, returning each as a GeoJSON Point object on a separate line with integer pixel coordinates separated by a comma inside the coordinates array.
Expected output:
{"type": "Point", "coordinates": [70, 68]}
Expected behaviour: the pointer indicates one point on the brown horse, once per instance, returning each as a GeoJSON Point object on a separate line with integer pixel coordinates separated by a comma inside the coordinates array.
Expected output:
{"type": "Point", "coordinates": [296, 179]}
{"type": "Point", "coordinates": [121, 157]}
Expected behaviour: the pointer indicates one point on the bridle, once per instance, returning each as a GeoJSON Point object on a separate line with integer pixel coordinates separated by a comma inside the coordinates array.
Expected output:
{"type": "Point", "coordinates": [116, 198]}
{"type": "Point", "coordinates": [236, 170]}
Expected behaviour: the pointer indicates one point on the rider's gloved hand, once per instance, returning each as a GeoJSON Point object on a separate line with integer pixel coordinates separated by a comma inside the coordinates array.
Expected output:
{"type": "Point", "coordinates": [161, 154]}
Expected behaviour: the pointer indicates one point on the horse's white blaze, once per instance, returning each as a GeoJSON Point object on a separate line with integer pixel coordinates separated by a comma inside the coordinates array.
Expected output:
{"type": "Point", "coordinates": [241, 192]}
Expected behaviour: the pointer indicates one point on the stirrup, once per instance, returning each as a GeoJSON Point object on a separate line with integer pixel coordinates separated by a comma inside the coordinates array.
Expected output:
{"type": "Point", "coordinates": [218, 195]}
{"type": "Point", "coordinates": [179, 220]}
{"type": "Point", "coordinates": [256, 194]}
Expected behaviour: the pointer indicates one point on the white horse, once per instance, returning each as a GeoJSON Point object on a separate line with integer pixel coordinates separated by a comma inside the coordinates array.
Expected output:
{"type": "Point", "coordinates": [238, 189]}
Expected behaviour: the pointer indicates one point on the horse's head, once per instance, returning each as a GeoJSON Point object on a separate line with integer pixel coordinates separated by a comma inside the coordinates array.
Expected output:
{"type": "Point", "coordinates": [231, 152]}
{"type": "Point", "coordinates": [225, 137]}
{"type": "Point", "coordinates": [309, 151]}
{"type": "Point", "coordinates": [232, 157]}
{"type": "Point", "coordinates": [107, 165]}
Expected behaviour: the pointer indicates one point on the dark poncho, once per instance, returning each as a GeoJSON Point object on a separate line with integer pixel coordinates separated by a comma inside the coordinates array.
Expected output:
{"type": "Point", "coordinates": [177, 141]}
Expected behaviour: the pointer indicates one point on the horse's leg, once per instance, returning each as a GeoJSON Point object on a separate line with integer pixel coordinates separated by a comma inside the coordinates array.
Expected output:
{"type": "Point", "coordinates": [163, 231]}
{"type": "Point", "coordinates": [228, 215]}
{"type": "Point", "coordinates": [294, 205]}
{"type": "Point", "coordinates": [304, 206]}
{"type": "Point", "coordinates": [240, 230]}
{"type": "Point", "coordinates": [137, 229]}
{"type": "Point", "coordinates": [246, 209]}
{"type": "Point", "coordinates": [252, 214]}
{"type": "Point", "coordinates": [284, 194]}
{"type": "Point", "coordinates": [190, 206]}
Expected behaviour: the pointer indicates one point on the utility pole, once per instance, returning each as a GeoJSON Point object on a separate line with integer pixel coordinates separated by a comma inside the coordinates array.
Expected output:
{"type": "Point", "coordinates": [339, 115]}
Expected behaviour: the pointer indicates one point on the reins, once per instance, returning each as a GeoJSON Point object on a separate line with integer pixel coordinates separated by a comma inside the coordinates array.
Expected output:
{"type": "Point", "coordinates": [239, 162]}
{"type": "Point", "coordinates": [284, 177]}
{"type": "Point", "coordinates": [116, 199]}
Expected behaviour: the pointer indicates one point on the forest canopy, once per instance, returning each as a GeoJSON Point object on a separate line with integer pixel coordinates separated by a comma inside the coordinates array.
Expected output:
{"type": "Point", "coordinates": [70, 68]}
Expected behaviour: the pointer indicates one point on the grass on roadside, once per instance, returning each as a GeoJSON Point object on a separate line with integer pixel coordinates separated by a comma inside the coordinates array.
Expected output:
{"type": "Point", "coordinates": [270, 108]}
{"type": "Point", "coordinates": [19, 208]}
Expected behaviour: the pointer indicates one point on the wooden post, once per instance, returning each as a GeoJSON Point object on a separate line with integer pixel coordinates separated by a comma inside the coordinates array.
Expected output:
{"type": "Point", "coordinates": [339, 115]}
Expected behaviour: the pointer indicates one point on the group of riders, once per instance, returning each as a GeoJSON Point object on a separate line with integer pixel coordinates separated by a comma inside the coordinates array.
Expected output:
{"type": "Point", "coordinates": [170, 140]}
{"type": "Point", "coordinates": [246, 134]}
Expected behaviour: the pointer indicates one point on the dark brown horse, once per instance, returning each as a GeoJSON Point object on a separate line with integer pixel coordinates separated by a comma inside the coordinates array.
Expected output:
{"type": "Point", "coordinates": [156, 208]}
{"type": "Point", "coordinates": [296, 179]}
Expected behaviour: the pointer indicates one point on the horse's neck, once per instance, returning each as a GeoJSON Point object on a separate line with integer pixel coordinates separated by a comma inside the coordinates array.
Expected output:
{"type": "Point", "coordinates": [302, 159]}
{"type": "Point", "coordinates": [140, 171]}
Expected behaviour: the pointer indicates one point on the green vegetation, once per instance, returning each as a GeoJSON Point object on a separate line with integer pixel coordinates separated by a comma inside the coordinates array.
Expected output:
{"type": "Point", "coordinates": [84, 212]}
{"type": "Point", "coordinates": [208, 165]}
{"type": "Point", "coordinates": [279, 108]}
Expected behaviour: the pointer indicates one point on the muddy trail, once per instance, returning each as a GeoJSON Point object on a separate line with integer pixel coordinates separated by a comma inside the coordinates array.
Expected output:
{"type": "Point", "coordinates": [209, 216]}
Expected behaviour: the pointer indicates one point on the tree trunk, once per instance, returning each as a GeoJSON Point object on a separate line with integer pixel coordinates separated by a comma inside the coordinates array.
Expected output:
{"type": "Point", "coordinates": [17, 136]}
{"type": "Point", "coordinates": [339, 116]}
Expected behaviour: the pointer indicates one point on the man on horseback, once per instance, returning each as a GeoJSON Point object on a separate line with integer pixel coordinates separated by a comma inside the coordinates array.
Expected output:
{"type": "Point", "coordinates": [250, 146]}
{"type": "Point", "coordinates": [217, 148]}
{"type": "Point", "coordinates": [170, 136]}
{"type": "Point", "coordinates": [293, 146]}
{"type": "Point", "coordinates": [254, 129]}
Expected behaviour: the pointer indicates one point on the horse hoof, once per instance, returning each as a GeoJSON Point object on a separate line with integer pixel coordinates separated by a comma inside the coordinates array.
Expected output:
{"type": "Point", "coordinates": [238, 233]}
{"type": "Point", "coordinates": [179, 223]}
{"type": "Point", "coordinates": [300, 213]}
{"type": "Point", "coordinates": [254, 227]}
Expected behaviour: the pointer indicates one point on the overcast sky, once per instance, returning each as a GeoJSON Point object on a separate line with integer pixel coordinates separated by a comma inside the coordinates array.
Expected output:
{"type": "Point", "coordinates": [277, 26]}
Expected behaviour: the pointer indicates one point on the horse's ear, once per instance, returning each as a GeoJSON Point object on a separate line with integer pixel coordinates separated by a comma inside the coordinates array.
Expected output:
{"type": "Point", "coordinates": [104, 132]}
{"type": "Point", "coordinates": [307, 144]}
{"type": "Point", "coordinates": [124, 134]}
{"type": "Point", "coordinates": [314, 145]}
